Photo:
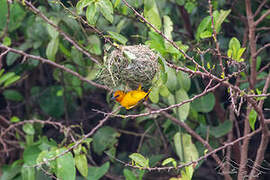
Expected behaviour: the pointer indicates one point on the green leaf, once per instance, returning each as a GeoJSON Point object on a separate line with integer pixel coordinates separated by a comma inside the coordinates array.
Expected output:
{"type": "Point", "coordinates": [172, 80]}
{"type": "Point", "coordinates": [206, 34]}
{"type": "Point", "coordinates": [116, 3]}
{"type": "Point", "coordinates": [77, 56]}
{"type": "Point", "coordinates": [168, 28]}
{"type": "Point", "coordinates": [204, 104]}
{"type": "Point", "coordinates": [184, 146]}
{"type": "Point", "coordinates": [234, 45]}
{"type": "Point", "coordinates": [111, 152]}
{"type": "Point", "coordinates": [12, 57]}
{"type": "Point", "coordinates": [156, 42]}
{"type": "Point", "coordinates": [81, 164]}
{"type": "Point", "coordinates": [82, 4]}
{"type": "Point", "coordinates": [91, 14]}
{"type": "Point", "coordinates": [175, 52]}
{"type": "Point", "coordinates": [52, 49]}
{"type": "Point", "coordinates": [29, 129]}
{"type": "Point", "coordinates": [45, 155]}
{"type": "Point", "coordinates": [183, 111]}
{"type": "Point", "coordinates": [129, 175]}
{"type": "Point", "coordinates": [93, 72]}
{"type": "Point", "coordinates": [189, 6]}
{"type": "Point", "coordinates": [184, 80]}
{"type": "Point", "coordinates": [31, 154]}
{"type": "Point", "coordinates": [169, 160]}
{"type": "Point", "coordinates": [252, 118]}
{"type": "Point", "coordinates": [222, 129]}
{"type": "Point", "coordinates": [178, 146]}
{"type": "Point", "coordinates": [155, 159]}
{"type": "Point", "coordinates": [45, 144]}
{"type": "Point", "coordinates": [1, 72]}
{"type": "Point", "coordinates": [6, 76]}
{"type": "Point", "coordinates": [95, 173]}
{"type": "Point", "coordinates": [7, 41]}
{"type": "Point", "coordinates": [51, 30]}
{"type": "Point", "coordinates": [104, 138]}
{"type": "Point", "coordinates": [106, 8]}
{"type": "Point", "coordinates": [222, 16]}
{"type": "Point", "coordinates": [11, 80]}
{"type": "Point", "coordinates": [13, 95]}
{"type": "Point", "coordinates": [121, 25]}
{"type": "Point", "coordinates": [180, 2]}
{"type": "Point", "coordinates": [118, 37]}
{"type": "Point", "coordinates": [77, 150]}
{"type": "Point", "coordinates": [139, 160]}
{"type": "Point", "coordinates": [239, 54]}
{"type": "Point", "coordinates": [154, 95]}
{"type": "Point", "coordinates": [14, 119]}
{"type": "Point", "coordinates": [151, 13]}
{"type": "Point", "coordinates": [171, 101]}
{"type": "Point", "coordinates": [17, 15]}
{"type": "Point", "coordinates": [48, 100]}
{"type": "Point", "coordinates": [164, 91]}
{"type": "Point", "coordinates": [28, 172]}
{"type": "Point", "coordinates": [205, 24]}
{"type": "Point", "coordinates": [65, 165]}
{"type": "Point", "coordinates": [94, 45]}
{"type": "Point", "coordinates": [229, 53]}
{"type": "Point", "coordinates": [10, 172]}
{"type": "Point", "coordinates": [187, 172]}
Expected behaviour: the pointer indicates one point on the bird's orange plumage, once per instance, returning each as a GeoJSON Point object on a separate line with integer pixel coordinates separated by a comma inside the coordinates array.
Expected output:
{"type": "Point", "coordinates": [131, 98]}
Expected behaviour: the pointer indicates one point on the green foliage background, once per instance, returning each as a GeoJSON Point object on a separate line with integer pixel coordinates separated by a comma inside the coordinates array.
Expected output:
{"type": "Point", "coordinates": [31, 90]}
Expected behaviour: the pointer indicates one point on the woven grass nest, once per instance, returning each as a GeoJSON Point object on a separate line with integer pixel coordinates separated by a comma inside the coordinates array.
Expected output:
{"type": "Point", "coordinates": [129, 66]}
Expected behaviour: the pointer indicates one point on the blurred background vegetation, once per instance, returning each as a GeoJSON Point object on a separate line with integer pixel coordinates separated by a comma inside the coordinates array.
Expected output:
{"type": "Point", "coordinates": [45, 109]}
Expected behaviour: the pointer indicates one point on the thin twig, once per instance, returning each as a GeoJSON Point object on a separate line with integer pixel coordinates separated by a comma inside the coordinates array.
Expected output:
{"type": "Point", "coordinates": [215, 38]}
{"type": "Point", "coordinates": [258, 21]}
{"type": "Point", "coordinates": [164, 109]}
{"type": "Point", "coordinates": [79, 141]}
{"type": "Point", "coordinates": [191, 162]}
{"type": "Point", "coordinates": [264, 67]}
{"type": "Point", "coordinates": [262, 48]}
{"type": "Point", "coordinates": [66, 36]}
{"type": "Point", "coordinates": [167, 39]}
{"type": "Point", "coordinates": [43, 60]}
{"type": "Point", "coordinates": [260, 8]}
{"type": "Point", "coordinates": [7, 22]}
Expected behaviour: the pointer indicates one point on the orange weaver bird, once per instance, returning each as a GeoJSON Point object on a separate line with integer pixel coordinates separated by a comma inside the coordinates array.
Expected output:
{"type": "Point", "coordinates": [131, 98]}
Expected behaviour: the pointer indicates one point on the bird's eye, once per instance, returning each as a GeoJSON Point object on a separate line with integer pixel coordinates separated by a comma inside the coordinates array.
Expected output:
{"type": "Point", "coordinates": [117, 96]}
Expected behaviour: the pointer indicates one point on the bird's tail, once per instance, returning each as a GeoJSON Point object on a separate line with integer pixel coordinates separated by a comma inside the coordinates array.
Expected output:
{"type": "Point", "coordinates": [147, 94]}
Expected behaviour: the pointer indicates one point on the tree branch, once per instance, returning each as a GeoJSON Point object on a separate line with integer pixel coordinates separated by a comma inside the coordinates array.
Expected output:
{"type": "Point", "coordinates": [258, 21]}
{"type": "Point", "coordinates": [259, 8]}
{"type": "Point", "coordinates": [66, 36]}
{"type": "Point", "coordinates": [252, 44]}
{"type": "Point", "coordinates": [261, 49]}
{"type": "Point", "coordinates": [47, 61]}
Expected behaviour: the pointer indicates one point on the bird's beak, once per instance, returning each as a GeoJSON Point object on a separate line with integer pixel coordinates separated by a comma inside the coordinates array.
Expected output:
{"type": "Point", "coordinates": [114, 97]}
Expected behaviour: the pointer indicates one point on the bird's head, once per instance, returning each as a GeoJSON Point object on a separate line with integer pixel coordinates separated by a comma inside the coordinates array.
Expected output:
{"type": "Point", "coordinates": [119, 95]}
